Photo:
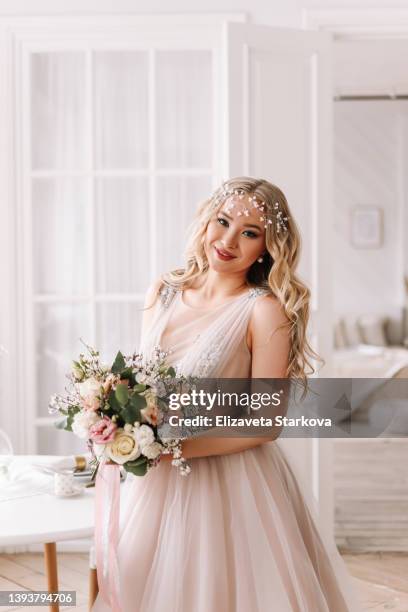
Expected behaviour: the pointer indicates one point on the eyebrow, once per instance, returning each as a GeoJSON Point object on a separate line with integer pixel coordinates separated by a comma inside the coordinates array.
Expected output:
{"type": "Point", "coordinates": [246, 225]}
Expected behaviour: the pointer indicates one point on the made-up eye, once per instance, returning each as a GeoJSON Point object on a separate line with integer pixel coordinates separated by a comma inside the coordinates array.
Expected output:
{"type": "Point", "coordinates": [250, 234]}
{"type": "Point", "coordinates": [222, 221]}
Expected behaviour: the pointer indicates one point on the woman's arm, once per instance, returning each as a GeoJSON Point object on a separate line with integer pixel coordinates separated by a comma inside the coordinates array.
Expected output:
{"type": "Point", "coordinates": [207, 447]}
{"type": "Point", "coordinates": [270, 356]}
{"type": "Point", "coordinates": [148, 310]}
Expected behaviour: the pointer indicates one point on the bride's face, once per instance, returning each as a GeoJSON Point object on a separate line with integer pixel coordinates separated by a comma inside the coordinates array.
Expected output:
{"type": "Point", "coordinates": [234, 242]}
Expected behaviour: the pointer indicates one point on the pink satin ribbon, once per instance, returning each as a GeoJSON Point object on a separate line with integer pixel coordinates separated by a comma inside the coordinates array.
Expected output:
{"type": "Point", "coordinates": [107, 506]}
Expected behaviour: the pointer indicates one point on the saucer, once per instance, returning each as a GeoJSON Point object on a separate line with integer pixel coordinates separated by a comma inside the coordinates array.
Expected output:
{"type": "Point", "coordinates": [75, 491]}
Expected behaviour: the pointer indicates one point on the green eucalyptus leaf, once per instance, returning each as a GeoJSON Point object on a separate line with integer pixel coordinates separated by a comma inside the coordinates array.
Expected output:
{"type": "Point", "coordinates": [119, 364]}
{"type": "Point", "coordinates": [139, 388]}
{"type": "Point", "coordinates": [138, 469]}
{"type": "Point", "coordinates": [122, 394]}
{"type": "Point", "coordinates": [126, 373]}
{"type": "Point", "coordinates": [113, 401]}
{"type": "Point", "coordinates": [138, 401]}
{"type": "Point", "coordinates": [137, 461]}
{"type": "Point", "coordinates": [72, 411]}
{"type": "Point", "coordinates": [130, 414]}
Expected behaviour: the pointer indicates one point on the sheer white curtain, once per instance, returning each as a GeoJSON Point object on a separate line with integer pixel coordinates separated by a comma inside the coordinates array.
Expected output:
{"type": "Point", "coordinates": [121, 154]}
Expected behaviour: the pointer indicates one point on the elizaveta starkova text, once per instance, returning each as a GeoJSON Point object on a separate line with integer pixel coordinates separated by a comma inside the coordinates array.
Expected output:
{"type": "Point", "coordinates": [228, 421]}
{"type": "Point", "coordinates": [207, 401]}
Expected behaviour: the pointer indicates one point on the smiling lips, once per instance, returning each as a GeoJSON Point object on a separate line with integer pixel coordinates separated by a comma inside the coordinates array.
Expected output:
{"type": "Point", "coordinates": [223, 255]}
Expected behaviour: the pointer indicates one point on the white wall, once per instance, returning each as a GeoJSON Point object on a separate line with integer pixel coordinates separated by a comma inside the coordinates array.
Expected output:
{"type": "Point", "coordinates": [283, 13]}
{"type": "Point", "coordinates": [368, 169]}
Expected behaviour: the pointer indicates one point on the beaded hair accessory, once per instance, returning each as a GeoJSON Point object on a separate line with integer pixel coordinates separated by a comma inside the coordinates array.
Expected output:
{"type": "Point", "coordinates": [266, 216]}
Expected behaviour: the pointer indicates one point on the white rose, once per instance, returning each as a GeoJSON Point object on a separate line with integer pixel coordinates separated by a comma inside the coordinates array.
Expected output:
{"type": "Point", "coordinates": [90, 388]}
{"type": "Point", "coordinates": [151, 451]}
{"type": "Point", "coordinates": [82, 421]}
{"type": "Point", "coordinates": [124, 447]}
{"type": "Point", "coordinates": [145, 436]}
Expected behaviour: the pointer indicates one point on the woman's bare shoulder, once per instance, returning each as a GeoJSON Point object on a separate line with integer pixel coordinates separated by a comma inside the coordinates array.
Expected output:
{"type": "Point", "coordinates": [269, 338]}
{"type": "Point", "coordinates": [267, 311]}
{"type": "Point", "coordinates": [153, 292]}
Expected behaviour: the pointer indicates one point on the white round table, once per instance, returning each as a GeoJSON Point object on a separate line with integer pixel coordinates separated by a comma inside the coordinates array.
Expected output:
{"type": "Point", "coordinates": [46, 519]}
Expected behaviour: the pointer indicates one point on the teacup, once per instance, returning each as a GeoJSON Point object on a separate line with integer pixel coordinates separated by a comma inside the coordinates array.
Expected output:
{"type": "Point", "coordinates": [64, 484]}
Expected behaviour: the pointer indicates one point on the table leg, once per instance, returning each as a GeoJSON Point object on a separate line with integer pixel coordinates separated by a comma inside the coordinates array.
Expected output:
{"type": "Point", "coordinates": [50, 555]}
{"type": "Point", "coordinates": [93, 587]}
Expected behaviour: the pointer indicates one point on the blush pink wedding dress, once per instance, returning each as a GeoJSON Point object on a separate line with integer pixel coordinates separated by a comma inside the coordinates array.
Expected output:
{"type": "Point", "coordinates": [235, 535]}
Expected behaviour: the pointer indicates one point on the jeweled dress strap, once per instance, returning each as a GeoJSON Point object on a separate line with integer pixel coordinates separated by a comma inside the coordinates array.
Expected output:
{"type": "Point", "coordinates": [166, 294]}
{"type": "Point", "coordinates": [151, 336]}
{"type": "Point", "coordinates": [255, 291]}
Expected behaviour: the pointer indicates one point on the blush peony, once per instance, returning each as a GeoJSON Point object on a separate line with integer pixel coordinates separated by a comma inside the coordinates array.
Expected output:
{"type": "Point", "coordinates": [103, 431]}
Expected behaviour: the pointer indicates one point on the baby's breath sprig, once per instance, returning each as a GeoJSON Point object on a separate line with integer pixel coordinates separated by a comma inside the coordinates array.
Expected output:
{"type": "Point", "coordinates": [173, 446]}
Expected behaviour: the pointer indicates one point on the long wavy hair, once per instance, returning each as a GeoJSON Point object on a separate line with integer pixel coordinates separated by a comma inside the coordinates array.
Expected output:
{"type": "Point", "coordinates": [277, 272]}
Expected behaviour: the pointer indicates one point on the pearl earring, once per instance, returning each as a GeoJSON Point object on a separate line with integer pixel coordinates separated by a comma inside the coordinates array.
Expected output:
{"type": "Point", "coordinates": [260, 259]}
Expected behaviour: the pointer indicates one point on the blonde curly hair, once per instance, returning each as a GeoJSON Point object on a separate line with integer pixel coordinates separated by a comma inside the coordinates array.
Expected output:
{"type": "Point", "coordinates": [276, 273]}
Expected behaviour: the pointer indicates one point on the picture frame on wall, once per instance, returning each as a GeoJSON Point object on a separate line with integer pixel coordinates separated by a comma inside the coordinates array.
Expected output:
{"type": "Point", "coordinates": [367, 227]}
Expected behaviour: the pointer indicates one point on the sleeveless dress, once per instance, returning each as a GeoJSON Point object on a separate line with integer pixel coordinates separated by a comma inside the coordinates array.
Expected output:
{"type": "Point", "coordinates": [235, 535]}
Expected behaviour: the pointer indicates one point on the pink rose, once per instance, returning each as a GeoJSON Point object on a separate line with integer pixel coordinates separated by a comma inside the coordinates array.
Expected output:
{"type": "Point", "coordinates": [103, 431]}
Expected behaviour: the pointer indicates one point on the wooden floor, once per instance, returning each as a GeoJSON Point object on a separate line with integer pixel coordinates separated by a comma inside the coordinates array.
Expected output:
{"type": "Point", "coordinates": [26, 571]}
{"type": "Point", "coordinates": [371, 494]}
{"type": "Point", "coordinates": [381, 578]}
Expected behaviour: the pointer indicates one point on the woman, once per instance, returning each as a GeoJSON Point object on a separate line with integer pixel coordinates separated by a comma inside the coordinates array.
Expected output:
{"type": "Point", "coordinates": [235, 535]}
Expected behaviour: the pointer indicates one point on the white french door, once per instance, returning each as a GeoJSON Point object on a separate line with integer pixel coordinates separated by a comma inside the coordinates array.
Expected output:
{"type": "Point", "coordinates": [280, 128]}
{"type": "Point", "coordinates": [116, 132]}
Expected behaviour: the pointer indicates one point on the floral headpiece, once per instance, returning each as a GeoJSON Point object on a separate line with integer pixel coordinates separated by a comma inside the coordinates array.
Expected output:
{"type": "Point", "coordinates": [266, 216]}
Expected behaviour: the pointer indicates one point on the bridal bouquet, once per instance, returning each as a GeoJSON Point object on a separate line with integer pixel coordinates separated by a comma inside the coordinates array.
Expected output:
{"type": "Point", "coordinates": [118, 409]}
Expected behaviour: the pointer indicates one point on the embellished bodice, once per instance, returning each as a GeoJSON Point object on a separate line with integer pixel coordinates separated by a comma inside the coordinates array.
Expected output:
{"type": "Point", "coordinates": [200, 341]}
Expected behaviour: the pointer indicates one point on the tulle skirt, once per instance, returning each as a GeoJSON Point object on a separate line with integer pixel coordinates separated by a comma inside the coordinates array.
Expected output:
{"type": "Point", "coordinates": [235, 535]}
